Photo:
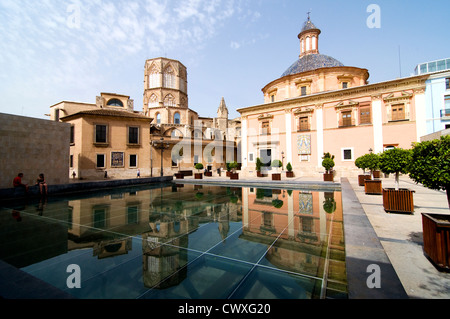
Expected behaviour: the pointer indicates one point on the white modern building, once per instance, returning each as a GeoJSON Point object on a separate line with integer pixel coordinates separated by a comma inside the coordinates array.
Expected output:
{"type": "Point", "coordinates": [437, 94]}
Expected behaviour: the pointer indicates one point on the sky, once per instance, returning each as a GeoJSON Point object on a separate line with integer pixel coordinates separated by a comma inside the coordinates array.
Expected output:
{"type": "Point", "coordinates": [72, 50]}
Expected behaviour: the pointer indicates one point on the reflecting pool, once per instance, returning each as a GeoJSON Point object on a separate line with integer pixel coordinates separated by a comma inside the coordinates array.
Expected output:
{"type": "Point", "coordinates": [181, 241]}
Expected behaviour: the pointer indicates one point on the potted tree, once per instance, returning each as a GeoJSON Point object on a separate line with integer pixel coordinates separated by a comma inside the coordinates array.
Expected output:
{"type": "Point", "coordinates": [258, 167]}
{"type": "Point", "coordinates": [289, 172]}
{"type": "Point", "coordinates": [233, 174]}
{"type": "Point", "coordinates": [430, 166]}
{"type": "Point", "coordinates": [199, 167]}
{"type": "Point", "coordinates": [227, 164]}
{"type": "Point", "coordinates": [373, 186]}
{"type": "Point", "coordinates": [276, 164]}
{"type": "Point", "coordinates": [395, 199]}
{"type": "Point", "coordinates": [328, 164]}
{"type": "Point", "coordinates": [361, 163]}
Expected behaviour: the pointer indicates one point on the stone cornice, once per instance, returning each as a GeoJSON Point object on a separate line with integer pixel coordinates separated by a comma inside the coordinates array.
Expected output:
{"type": "Point", "coordinates": [369, 90]}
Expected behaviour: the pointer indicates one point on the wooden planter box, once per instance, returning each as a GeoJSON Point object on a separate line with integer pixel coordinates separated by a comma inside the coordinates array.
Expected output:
{"type": "Point", "coordinates": [436, 239]}
{"type": "Point", "coordinates": [259, 174]}
{"type": "Point", "coordinates": [228, 174]}
{"type": "Point", "coordinates": [198, 175]}
{"type": "Point", "coordinates": [373, 187]}
{"type": "Point", "coordinates": [276, 176]}
{"type": "Point", "coordinates": [289, 174]}
{"type": "Point", "coordinates": [179, 176]}
{"type": "Point", "coordinates": [376, 174]}
{"type": "Point", "coordinates": [398, 201]}
{"type": "Point", "coordinates": [362, 179]}
{"type": "Point", "coordinates": [328, 177]}
{"type": "Point", "coordinates": [234, 175]}
{"type": "Point", "coordinates": [208, 174]}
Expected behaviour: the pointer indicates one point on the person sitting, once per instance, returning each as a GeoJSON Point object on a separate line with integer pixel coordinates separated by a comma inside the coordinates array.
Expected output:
{"type": "Point", "coordinates": [42, 184]}
{"type": "Point", "coordinates": [17, 182]}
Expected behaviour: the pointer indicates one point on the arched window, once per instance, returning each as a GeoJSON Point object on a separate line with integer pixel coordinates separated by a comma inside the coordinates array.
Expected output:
{"type": "Point", "coordinates": [115, 102]}
{"type": "Point", "coordinates": [314, 42]}
{"type": "Point", "coordinates": [158, 118]}
{"type": "Point", "coordinates": [169, 78]}
{"type": "Point", "coordinates": [176, 118]}
{"type": "Point", "coordinates": [308, 39]}
{"type": "Point", "coordinates": [154, 79]}
{"type": "Point", "coordinates": [153, 101]}
{"type": "Point", "coordinates": [169, 100]}
{"type": "Point", "coordinates": [176, 133]}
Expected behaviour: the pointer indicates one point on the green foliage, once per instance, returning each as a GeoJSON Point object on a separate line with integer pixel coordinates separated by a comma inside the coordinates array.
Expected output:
{"type": "Point", "coordinates": [289, 167]}
{"type": "Point", "coordinates": [361, 162]}
{"type": "Point", "coordinates": [328, 155]}
{"type": "Point", "coordinates": [258, 164]}
{"type": "Point", "coordinates": [395, 160]}
{"type": "Point", "coordinates": [199, 195]}
{"type": "Point", "coordinates": [430, 163]}
{"type": "Point", "coordinates": [234, 199]}
{"type": "Point", "coordinates": [276, 163]}
{"type": "Point", "coordinates": [259, 193]}
{"type": "Point", "coordinates": [329, 205]}
{"type": "Point", "coordinates": [199, 166]}
{"type": "Point", "coordinates": [277, 203]}
{"type": "Point", "coordinates": [372, 161]}
{"type": "Point", "coordinates": [328, 163]}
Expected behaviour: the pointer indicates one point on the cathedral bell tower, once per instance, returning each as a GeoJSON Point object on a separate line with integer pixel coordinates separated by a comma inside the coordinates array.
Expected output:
{"type": "Point", "coordinates": [222, 116]}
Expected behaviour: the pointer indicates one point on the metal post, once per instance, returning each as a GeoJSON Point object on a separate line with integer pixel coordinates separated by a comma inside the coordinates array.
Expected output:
{"type": "Point", "coordinates": [162, 151]}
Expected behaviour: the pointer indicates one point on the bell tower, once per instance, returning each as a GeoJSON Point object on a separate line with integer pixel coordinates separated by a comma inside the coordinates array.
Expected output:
{"type": "Point", "coordinates": [222, 116]}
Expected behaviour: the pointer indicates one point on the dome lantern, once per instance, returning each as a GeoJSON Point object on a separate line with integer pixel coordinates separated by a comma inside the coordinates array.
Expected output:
{"type": "Point", "coordinates": [309, 38]}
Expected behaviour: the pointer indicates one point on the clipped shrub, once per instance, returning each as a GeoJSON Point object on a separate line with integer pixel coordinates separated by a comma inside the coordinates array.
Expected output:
{"type": "Point", "coordinates": [289, 167]}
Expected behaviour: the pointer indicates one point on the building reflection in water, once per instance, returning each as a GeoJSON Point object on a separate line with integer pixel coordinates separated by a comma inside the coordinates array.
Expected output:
{"type": "Point", "coordinates": [303, 230]}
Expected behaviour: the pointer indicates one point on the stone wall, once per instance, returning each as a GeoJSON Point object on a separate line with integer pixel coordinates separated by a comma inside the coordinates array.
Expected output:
{"type": "Point", "coordinates": [33, 146]}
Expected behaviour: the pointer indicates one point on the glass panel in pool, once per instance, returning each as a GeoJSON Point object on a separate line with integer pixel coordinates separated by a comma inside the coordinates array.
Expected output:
{"type": "Point", "coordinates": [181, 241]}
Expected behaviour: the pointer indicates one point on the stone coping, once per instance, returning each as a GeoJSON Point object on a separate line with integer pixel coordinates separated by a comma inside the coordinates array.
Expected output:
{"type": "Point", "coordinates": [294, 184]}
{"type": "Point", "coordinates": [79, 186]}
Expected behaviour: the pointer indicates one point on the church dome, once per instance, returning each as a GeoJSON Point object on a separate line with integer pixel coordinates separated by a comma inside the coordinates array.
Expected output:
{"type": "Point", "coordinates": [311, 62]}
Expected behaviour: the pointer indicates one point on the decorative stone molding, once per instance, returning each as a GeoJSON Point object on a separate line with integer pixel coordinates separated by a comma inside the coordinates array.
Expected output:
{"type": "Point", "coordinates": [265, 117]}
{"type": "Point", "coordinates": [404, 97]}
{"type": "Point", "coordinates": [350, 105]}
{"type": "Point", "coordinates": [303, 111]}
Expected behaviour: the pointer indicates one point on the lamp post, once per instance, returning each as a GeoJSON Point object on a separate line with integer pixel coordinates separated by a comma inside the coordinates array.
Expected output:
{"type": "Point", "coordinates": [161, 146]}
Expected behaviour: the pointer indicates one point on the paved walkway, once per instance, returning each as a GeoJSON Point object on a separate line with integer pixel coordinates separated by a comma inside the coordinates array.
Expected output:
{"type": "Point", "coordinates": [401, 238]}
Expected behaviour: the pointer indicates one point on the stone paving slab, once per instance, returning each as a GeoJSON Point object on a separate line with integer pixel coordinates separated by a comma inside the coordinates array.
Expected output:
{"type": "Point", "coordinates": [401, 236]}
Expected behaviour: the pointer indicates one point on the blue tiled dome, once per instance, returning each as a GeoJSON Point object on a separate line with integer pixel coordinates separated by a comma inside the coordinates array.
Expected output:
{"type": "Point", "coordinates": [311, 62]}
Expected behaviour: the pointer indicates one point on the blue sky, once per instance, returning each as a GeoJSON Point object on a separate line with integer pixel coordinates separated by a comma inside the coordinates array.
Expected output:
{"type": "Point", "coordinates": [55, 50]}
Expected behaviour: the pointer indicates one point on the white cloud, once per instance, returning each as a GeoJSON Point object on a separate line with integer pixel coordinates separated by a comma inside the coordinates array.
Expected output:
{"type": "Point", "coordinates": [44, 53]}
